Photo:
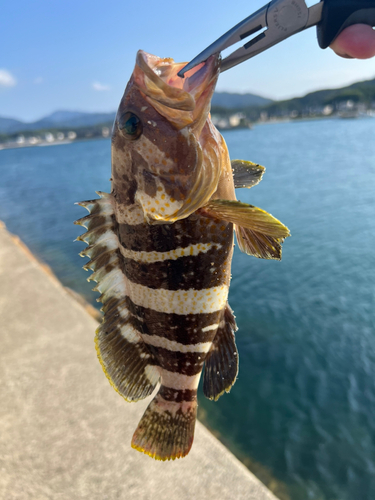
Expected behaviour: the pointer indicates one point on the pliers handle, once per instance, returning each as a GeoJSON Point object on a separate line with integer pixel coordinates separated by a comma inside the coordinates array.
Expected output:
{"type": "Point", "coordinates": [339, 14]}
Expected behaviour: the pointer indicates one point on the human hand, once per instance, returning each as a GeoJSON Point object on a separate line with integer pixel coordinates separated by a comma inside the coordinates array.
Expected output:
{"type": "Point", "coordinates": [355, 42]}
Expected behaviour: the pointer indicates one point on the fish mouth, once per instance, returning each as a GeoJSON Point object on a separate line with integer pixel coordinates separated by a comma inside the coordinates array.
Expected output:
{"type": "Point", "coordinates": [183, 101]}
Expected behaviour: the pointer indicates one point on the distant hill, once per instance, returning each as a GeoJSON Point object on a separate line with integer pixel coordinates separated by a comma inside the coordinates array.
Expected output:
{"type": "Point", "coordinates": [8, 125]}
{"type": "Point", "coordinates": [363, 92]}
{"type": "Point", "coordinates": [231, 101]}
{"type": "Point", "coordinates": [73, 119]}
{"type": "Point", "coordinates": [57, 119]}
{"type": "Point", "coordinates": [64, 116]}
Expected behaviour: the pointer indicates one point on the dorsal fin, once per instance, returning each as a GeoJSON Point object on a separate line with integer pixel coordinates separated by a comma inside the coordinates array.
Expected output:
{"type": "Point", "coordinates": [126, 360]}
{"type": "Point", "coordinates": [246, 174]}
{"type": "Point", "coordinates": [221, 365]}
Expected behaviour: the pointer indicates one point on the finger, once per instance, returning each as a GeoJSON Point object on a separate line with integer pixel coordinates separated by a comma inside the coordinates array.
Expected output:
{"type": "Point", "coordinates": [357, 41]}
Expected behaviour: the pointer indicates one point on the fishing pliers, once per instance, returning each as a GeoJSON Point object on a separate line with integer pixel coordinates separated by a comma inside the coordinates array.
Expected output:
{"type": "Point", "coordinates": [281, 19]}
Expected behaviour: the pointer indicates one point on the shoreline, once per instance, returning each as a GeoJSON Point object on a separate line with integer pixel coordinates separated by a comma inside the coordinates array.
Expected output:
{"type": "Point", "coordinates": [43, 144]}
{"type": "Point", "coordinates": [271, 121]}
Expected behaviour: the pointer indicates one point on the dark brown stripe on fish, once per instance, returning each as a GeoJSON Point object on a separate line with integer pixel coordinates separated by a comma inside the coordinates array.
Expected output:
{"type": "Point", "coordinates": [185, 363]}
{"type": "Point", "coordinates": [166, 237]}
{"type": "Point", "coordinates": [205, 270]}
{"type": "Point", "coordinates": [183, 328]}
{"type": "Point", "coordinates": [177, 395]}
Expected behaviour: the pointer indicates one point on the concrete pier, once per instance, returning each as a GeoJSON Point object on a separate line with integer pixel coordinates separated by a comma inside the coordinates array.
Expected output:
{"type": "Point", "coordinates": [65, 433]}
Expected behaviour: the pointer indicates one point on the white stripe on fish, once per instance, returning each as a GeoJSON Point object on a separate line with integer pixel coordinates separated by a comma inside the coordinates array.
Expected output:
{"type": "Point", "coordinates": [116, 284]}
{"type": "Point", "coordinates": [151, 257]}
{"type": "Point", "coordinates": [174, 380]}
{"type": "Point", "coordinates": [214, 326]}
{"type": "Point", "coordinates": [174, 346]}
{"type": "Point", "coordinates": [190, 301]}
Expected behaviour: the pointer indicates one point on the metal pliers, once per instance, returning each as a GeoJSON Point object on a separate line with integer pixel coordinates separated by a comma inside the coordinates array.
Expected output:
{"type": "Point", "coordinates": [281, 19]}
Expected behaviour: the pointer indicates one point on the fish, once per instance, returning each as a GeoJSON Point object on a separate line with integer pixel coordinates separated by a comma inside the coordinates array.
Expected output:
{"type": "Point", "coordinates": [160, 246]}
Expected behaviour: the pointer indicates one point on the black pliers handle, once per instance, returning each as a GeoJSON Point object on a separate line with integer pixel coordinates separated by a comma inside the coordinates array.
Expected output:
{"type": "Point", "coordinates": [339, 14]}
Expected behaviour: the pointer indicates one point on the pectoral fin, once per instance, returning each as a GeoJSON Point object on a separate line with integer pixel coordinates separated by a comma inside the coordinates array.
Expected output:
{"type": "Point", "coordinates": [258, 244]}
{"type": "Point", "coordinates": [247, 216]}
{"type": "Point", "coordinates": [221, 365]}
{"type": "Point", "coordinates": [258, 233]}
{"type": "Point", "coordinates": [246, 174]}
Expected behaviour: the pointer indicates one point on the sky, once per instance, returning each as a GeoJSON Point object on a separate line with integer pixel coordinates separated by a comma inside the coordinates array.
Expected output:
{"type": "Point", "coordinates": [79, 54]}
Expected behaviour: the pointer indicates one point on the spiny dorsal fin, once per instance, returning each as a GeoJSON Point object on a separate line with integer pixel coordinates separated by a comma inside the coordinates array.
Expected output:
{"type": "Point", "coordinates": [246, 174]}
{"type": "Point", "coordinates": [126, 360]}
{"type": "Point", "coordinates": [221, 365]}
{"type": "Point", "coordinates": [258, 232]}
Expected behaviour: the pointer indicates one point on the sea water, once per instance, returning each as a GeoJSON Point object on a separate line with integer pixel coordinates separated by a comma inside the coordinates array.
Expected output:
{"type": "Point", "coordinates": [301, 414]}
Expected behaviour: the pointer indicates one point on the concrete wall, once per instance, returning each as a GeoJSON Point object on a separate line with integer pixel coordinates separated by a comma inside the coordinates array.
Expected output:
{"type": "Point", "coordinates": [65, 433]}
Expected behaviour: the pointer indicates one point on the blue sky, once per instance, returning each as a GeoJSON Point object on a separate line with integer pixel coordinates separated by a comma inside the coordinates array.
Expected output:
{"type": "Point", "coordinates": [79, 55]}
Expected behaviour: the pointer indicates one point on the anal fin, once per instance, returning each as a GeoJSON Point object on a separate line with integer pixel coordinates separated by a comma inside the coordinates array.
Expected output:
{"type": "Point", "coordinates": [125, 358]}
{"type": "Point", "coordinates": [221, 365]}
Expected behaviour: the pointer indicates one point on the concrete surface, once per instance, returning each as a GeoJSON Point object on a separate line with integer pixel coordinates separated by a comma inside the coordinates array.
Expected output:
{"type": "Point", "coordinates": [65, 433]}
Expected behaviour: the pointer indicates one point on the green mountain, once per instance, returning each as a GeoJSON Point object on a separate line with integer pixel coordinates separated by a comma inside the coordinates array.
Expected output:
{"type": "Point", "coordinates": [310, 104]}
{"type": "Point", "coordinates": [360, 92]}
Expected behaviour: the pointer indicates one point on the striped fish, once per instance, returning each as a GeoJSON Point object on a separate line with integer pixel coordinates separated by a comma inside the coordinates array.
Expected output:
{"type": "Point", "coordinates": [160, 248]}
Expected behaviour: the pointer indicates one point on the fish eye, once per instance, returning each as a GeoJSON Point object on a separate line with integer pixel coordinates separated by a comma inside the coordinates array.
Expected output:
{"type": "Point", "coordinates": [131, 125]}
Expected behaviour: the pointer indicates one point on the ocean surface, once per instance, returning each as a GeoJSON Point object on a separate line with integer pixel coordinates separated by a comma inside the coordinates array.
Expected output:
{"type": "Point", "coordinates": [302, 412]}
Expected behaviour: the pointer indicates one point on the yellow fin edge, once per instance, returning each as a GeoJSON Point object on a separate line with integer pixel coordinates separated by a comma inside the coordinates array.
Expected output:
{"type": "Point", "coordinates": [105, 369]}
{"type": "Point", "coordinates": [227, 390]}
{"type": "Point", "coordinates": [157, 457]}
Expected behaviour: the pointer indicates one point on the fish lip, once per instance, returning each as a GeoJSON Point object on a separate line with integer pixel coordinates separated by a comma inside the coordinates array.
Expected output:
{"type": "Point", "coordinates": [163, 73]}
{"type": "Point", "coordinates": [203, 73]}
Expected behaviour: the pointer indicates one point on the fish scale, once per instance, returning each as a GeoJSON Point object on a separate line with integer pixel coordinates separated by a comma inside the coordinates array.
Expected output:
{"type": "Point", "coordinates": [161, 246]}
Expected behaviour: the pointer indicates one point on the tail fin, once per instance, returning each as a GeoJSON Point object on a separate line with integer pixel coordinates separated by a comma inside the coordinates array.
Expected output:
{"type": "Point", "coordinates": [166, 430]}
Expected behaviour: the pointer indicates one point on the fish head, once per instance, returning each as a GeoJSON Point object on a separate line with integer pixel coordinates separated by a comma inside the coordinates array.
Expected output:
{"type": "Point", "coordinates": [166, 154]}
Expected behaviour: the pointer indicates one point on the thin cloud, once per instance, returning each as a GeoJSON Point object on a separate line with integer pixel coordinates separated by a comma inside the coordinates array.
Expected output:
{"type": "Point", "coordinates": [100, 87]}
{"type": "Point", "coordinates": [7, 79]}
{"type": "Point", "coordinates": [38, 80]}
